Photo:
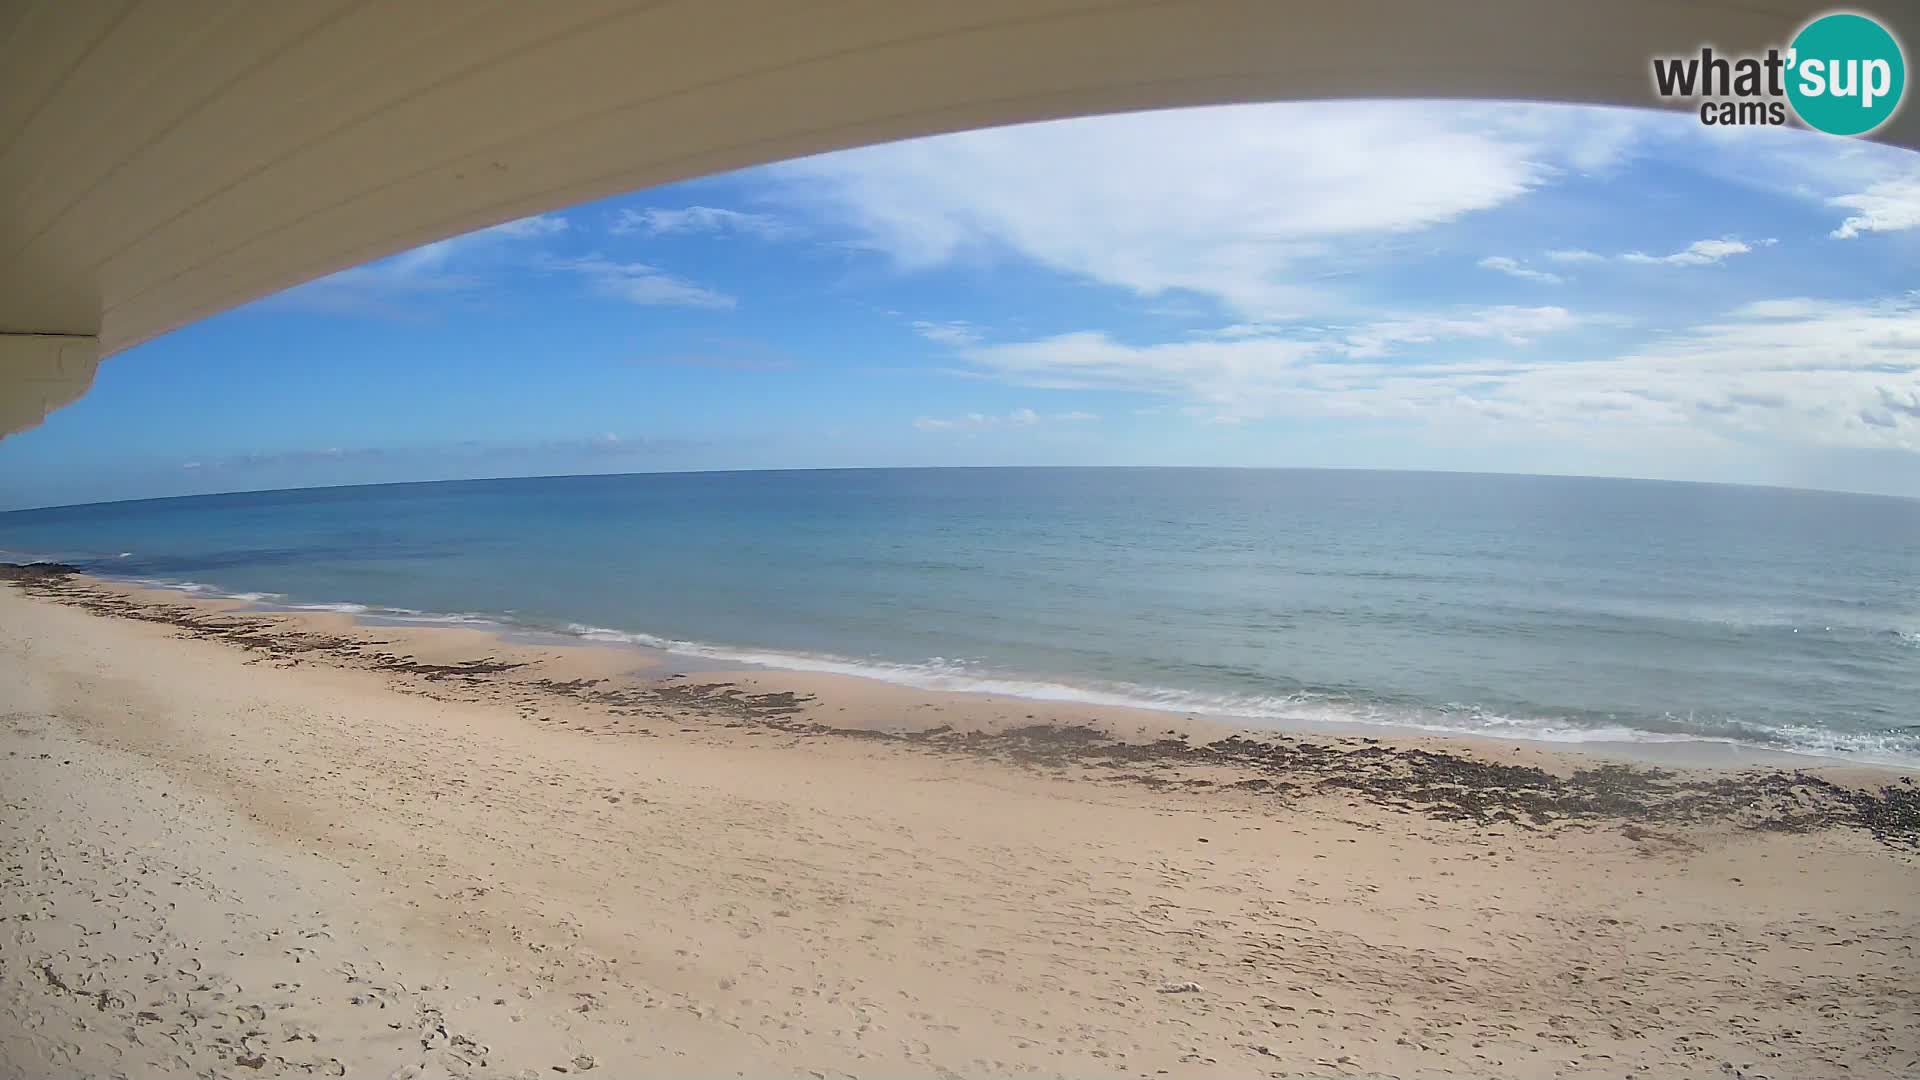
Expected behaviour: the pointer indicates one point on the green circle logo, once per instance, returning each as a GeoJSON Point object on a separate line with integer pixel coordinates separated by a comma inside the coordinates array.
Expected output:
{"type": "Point", "coordinates": [1846, 74]}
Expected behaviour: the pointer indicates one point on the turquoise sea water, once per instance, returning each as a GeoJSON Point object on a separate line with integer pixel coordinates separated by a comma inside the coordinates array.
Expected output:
{"type": "Point", "coordinates": [1538, 607]}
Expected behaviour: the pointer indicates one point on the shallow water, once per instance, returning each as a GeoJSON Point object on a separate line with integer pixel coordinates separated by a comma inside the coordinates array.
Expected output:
{"type": "Point", "coordinates": [1532, 607]}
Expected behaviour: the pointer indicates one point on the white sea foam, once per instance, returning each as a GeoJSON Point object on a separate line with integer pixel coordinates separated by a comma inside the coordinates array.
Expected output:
{"type": "Point", "coordinates": [341, 608]}
{"type": "Point", "coordinates": [1269, 711]}
{"type": "Point", "coordinates": [1277, 711]}
{"type": "Point", "coordinates": [277, 602]}
{"type": "Point", "coordinates": [194, 587]}
{"type": "Point", "coordinates": [379, 614]}
{"type": "Point", "coordinates": [199, 589]}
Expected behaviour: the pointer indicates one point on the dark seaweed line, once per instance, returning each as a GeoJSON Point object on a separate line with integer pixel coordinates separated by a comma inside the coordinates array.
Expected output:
{"type": "Point", "coordinates": [1439, 784]}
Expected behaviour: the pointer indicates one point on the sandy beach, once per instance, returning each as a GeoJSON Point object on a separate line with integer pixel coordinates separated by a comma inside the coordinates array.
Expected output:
{"type": "Point", "coordinates": [246, 845]}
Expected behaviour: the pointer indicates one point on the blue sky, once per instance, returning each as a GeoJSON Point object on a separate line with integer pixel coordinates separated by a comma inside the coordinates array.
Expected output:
{"type": "Point", "coordinates": [1398, 285]}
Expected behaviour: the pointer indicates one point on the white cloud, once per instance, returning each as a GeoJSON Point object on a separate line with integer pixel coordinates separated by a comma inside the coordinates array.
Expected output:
{"type": "Point", "coordinates": [538, 225]}
{"type": "Point", "coordinates": [656, 221]}
{"type": "Point", "coordinates": [640, 283]}
{"type": "Point", "coordinates": [1887, 206]}
{"type": "Point", "coordinates": [1241, 204]}
{"type": "Point", "coordinates": [1018, 418]}
{"type": "Point", "coordinates": [1263, 209]}
{"type": "Point", "coordinates": [1511, 266]}
{"type": "Point", "coordinates": [1508, 324]}
{"type": "Point", "coordinates": [1792, 372]}
{"type": "Point", "coordinates": [955, 332]}
{"type": "Point", "coordinates": [394, 285]}
{"type": "Point", "coordinates": [599, 446]}
{"type": "Point", "coordinates": [1791, 308]}
{"type": "Point", "coordinates": [1245, 330]}
{"type": "Point", "coordinates": [1795, 163]}
{"type": "Point", "coordinates": [1207, 371]}
{"type": "Point", "coordinates": [1246, 376]}
{"type": "Point", "coordinates": [1698, 253]}
{"type": "Point", "coordinates": [1583, 139]}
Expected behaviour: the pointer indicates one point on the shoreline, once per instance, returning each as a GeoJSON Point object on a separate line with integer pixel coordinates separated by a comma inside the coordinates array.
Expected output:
{"type": "Point", "coordinates": [242, 844]}
{"type": "Point", "coordinates": [1451, 777]}
{"type": "Point", "coordinates": [1647, 748]}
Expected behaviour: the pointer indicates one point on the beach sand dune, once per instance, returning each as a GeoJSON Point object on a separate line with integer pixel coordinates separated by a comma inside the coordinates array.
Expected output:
{"type": "Point", "coordinates": [224, 856]}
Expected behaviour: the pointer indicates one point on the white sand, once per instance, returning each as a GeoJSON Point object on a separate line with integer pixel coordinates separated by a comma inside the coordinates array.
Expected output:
{"type": "Point", "coordinates": [215, 864]}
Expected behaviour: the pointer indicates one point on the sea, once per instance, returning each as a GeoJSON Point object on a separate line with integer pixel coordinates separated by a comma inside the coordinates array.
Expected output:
{"type": "Point", "coordinates": [1523, 607]}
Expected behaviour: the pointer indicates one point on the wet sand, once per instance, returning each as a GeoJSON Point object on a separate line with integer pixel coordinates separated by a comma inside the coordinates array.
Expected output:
{"type": "Point", "coordinates": [252, 845]}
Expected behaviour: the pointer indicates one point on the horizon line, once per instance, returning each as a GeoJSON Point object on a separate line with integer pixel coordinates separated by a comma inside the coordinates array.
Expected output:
{"type": "Point", "coordinates": [967, 468]}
